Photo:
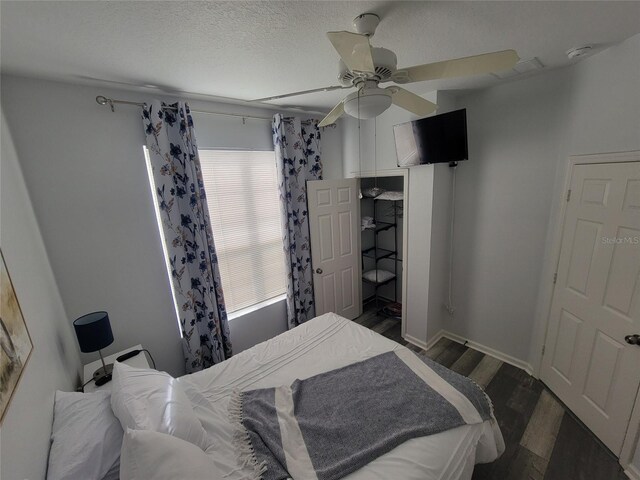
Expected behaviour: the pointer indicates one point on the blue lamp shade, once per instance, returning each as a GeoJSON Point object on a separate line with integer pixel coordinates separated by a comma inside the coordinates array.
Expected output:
{"type": "Point", "coordinates": [93, 331]}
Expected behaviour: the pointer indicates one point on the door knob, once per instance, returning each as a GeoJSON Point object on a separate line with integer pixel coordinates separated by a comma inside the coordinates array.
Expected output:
{"type": "Point", "coordinates": [318, 270]}
{"type": "Point", "coordinates": [632, 339]}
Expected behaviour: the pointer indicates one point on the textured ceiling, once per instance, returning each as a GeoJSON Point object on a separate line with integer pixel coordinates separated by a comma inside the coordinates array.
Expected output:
{"type": "Point", "coordinates": [246, 50]}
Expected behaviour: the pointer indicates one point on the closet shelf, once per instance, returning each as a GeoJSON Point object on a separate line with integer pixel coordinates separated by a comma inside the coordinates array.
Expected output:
{"type": "Point", "coordinates": [381, 226]}
{"type": "Point", "coordinates": [391, 210]}
{"type": "Point", "coordinates": [384, 282]}
{"type": "Point", "coordinates": [382, 253]}
{"type": "Point", "coordinates": [378, 199]}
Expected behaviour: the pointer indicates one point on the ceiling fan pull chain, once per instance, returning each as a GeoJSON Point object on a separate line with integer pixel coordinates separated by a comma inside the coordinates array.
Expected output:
{"type": "Point", "coordinates": [375, 152]}
{"type": "Point", "coordinates": [359, 141]}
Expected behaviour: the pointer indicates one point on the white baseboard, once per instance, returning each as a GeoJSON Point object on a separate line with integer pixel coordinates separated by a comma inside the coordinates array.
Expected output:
{"type": "Point", "coordinates": [435, 339]}
{"type": "Point", "coordinates": [632, 472]}
{"type": "Point", "coordinates": [476, 346]}
{"type": "Point", "coordinates": [416, 342]}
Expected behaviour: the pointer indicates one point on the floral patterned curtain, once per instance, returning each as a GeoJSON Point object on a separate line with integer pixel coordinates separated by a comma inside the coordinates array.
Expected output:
{"type": "Point", "coordinates": [297, 147]}
{"type": "Point", "coordinates": [180, 194]}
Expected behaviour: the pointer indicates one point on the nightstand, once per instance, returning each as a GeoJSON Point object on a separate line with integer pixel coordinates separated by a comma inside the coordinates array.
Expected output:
{"type": "Point", "coordinates": [139, 361]}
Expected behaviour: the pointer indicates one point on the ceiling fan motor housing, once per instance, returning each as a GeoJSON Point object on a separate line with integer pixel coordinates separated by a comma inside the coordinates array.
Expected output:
{"type": "Point", "coordinates": [385, 62]}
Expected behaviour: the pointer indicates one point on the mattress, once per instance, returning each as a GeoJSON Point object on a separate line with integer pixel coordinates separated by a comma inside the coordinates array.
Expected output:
{"type": "Point", "coordinates": [319, 345]}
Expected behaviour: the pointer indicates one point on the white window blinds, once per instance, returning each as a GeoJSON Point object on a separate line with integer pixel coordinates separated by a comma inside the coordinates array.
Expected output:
{"type": "Point", "coordinates": [244, 206]}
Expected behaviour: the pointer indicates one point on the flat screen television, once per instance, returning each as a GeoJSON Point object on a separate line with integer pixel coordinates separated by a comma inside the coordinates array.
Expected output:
{"type": "Point", "coordinates": [438, 139]}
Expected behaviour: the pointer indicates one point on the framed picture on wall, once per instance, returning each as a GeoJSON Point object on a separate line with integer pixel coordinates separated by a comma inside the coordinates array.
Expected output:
{"type": "Point", "coordinates": [14, 339]}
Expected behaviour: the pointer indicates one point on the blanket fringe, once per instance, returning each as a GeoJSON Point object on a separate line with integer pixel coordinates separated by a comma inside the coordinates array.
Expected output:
{"type": "Point", "coordinates": [485, 396]}
{"type": "Point", "coordinates": [241, 440]}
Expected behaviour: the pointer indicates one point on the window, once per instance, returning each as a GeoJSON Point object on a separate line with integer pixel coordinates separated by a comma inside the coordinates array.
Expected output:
{"type": "Point", "coordinates": [244, 206]}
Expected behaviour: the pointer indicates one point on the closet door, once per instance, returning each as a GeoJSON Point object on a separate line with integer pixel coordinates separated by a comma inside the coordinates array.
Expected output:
{"type": "Point", "coordinates": [592, 354]}
{"type": "Point", "coordinates": [334, 224]}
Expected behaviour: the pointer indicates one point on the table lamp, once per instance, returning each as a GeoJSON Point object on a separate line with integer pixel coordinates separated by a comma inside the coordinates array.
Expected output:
{"type": "Point", "coordinates": [94, 333]}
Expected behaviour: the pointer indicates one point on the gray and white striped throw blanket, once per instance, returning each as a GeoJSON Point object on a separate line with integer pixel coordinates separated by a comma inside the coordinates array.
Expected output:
{"type": "Point", "coordinates": [329, 425]}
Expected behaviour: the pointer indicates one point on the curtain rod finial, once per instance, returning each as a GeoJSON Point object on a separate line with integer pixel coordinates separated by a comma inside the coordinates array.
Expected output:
{"type": "Point", "coordinates": [102, 100]}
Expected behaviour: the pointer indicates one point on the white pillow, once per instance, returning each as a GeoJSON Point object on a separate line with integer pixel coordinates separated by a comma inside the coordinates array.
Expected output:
{"type": "Point", "coordinates": [382, 275]}
{"type": "Point", "coordinates": [145, 399]}
{"type": "Point", "coordinates": [152, 455]}
{"type": "Point", "coordinates": [86, 436]}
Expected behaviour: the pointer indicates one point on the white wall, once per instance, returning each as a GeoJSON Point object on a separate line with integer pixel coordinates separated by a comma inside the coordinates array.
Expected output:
{"type": "Point", "coordinates": [417, 261]}
{"type": "Point", "coordinates": [503, 197]}
{"type": "Point", "coordinates": [86, 174]}
{"type": "Point", "coordinates": [331, 150]}
{"type": "Point", "coordinates": [55, 361]}
{"type": "Point", "coordinates": [251, 328]}
{"type": "Point", "coordinates": [509, 193]}
{"type": "Point", "coordinates": [605, 102]}
{"type": "Point", "coordinates": [438, 292]}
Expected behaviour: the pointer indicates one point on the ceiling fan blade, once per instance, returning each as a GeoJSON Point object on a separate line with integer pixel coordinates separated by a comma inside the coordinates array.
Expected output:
{"type": "Point", "coordinates": [411, 102]}
{"type": "Point", "coordinates": [303, 92]}
{"type": "Point", "coordinates": [460, 67]}
{"type": "Point", "coordinates": [333, 115]}
{"type": "Point", "coordinates": [354, 49]}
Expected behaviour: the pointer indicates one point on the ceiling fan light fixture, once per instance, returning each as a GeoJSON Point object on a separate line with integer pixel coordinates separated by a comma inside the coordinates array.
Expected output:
{"type": "Point", "coordinates": [372, 102]}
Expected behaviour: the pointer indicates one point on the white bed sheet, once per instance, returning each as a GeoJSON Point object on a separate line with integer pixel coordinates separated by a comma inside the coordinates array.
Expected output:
{"type": "Point", "coordinates": [322, 344]}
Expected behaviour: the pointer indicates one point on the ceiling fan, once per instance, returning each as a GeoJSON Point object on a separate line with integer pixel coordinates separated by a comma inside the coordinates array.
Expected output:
{"type": "Point", "coordinates": [364, 67]}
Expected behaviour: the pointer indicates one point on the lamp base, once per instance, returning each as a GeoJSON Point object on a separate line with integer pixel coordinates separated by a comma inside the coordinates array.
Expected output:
{"type": "Point", "coordinates": [103, 372]}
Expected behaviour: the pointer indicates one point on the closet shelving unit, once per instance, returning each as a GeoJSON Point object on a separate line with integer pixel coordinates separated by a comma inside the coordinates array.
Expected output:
{"type": "Point", "coordinates": [377, 253]}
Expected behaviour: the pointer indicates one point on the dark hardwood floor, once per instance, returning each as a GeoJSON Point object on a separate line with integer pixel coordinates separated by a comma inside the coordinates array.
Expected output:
{"type": "Point", "coordinates": [544, 441]}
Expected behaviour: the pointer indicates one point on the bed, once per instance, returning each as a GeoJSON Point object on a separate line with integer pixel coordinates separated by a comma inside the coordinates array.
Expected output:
{"type": "Point", "coordinates": [187, 432]}
{"type": "Point", "coordinates": [326, 343]}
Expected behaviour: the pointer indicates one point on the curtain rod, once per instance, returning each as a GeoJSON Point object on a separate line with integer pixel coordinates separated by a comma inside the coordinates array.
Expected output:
{"type": "Point", "coordinates": [102, 100]}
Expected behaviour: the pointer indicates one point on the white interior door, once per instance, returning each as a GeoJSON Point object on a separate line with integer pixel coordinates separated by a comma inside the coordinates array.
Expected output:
{"type": "Point", "coordinates": [334, 224]}
{"type": "Point", "coordinates": [596, 304]}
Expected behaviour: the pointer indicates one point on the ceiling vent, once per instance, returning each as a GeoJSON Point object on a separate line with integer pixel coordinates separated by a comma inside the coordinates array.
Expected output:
{"type": "Point", "coordinates": [523, 66]}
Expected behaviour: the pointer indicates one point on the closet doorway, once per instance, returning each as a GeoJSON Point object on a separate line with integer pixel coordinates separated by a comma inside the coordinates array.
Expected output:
{"type": "Point", "coordinates": [383, 234]}
{"type": "Point", "coordinates": [358, 240]}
